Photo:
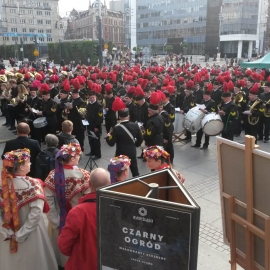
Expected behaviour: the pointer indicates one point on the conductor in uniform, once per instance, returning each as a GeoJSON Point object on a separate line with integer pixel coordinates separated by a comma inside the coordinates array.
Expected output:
{"type": "Point", "coordinates": [126, 135]}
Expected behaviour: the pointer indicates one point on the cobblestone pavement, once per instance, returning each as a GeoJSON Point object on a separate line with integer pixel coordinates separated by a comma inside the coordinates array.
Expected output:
{"type": "Point", "coordinates": [201, 172]}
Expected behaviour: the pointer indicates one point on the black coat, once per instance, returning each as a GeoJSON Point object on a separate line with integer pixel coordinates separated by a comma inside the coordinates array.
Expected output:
{"type": "Point", "coordinates": [124, 144]}
{"type": "Point", "coordinates": [154, 130]}
{"type": "Point", "coordinates": [94, 116]}
{"type": "Point", "coordinates": [216, 96]}
{"type": "Point", "coordinates": [24, 142]}
{"type": "Point", "coordinates": [132, 111]}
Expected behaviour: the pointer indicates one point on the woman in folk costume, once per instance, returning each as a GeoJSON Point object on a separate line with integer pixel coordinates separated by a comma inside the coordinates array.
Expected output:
{"type": "Point", "coordinates": [158, 159]}
{"type": "Point", "coordinates": [63, 187]}
{"type": "Point", "coordinates": [24, 242]}
{"type": "Point", "coordinates": [119, 168]}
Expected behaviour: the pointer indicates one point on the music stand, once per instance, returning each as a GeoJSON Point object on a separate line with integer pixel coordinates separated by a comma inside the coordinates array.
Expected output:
{"type": "Point", "coordinates": [91, 162]}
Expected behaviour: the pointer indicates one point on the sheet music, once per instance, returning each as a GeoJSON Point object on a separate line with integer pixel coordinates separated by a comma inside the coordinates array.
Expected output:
{"type": "Point", "coordinates": [35, 111]}
{"type": "Point", "coordinates": [200, 106]}
{"type": "Point", "coordinates": [85, 122]}
{"type": "Point", "coordinates": [56, 100]}
{"type": "Point", "coordinates": [68, 104]}
{"type": "Point", "coordinates": [246, 112]}
{"type": "Point", "coordinates": [177, 109]}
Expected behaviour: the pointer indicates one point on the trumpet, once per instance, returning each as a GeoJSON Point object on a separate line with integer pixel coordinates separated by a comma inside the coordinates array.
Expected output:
{"type": "Point", "coordinates": [266, 110]}
{"type": "Point", "coordinates": [254, 120]}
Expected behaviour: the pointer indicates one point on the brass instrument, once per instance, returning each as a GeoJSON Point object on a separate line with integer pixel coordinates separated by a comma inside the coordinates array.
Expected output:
{"type": "Point", "coordinates": [3, 79]}
{"type": "Point", "coordinates": [82, 112]}
{"type": "Point", "coordinates": [266, 112]}
{"type": "Point", "coordinates": [15, 101]}
{"type": "Point", "coordinates": [238, 98]}
{"type": "Point", "coordinates": [254, 120]}
{"type": "Point", "coordinates": [65, 112]}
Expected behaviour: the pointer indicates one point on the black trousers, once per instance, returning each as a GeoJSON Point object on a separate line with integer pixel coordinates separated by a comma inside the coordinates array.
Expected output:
{"type": "Point", "coordinates": [133, 166]}
{"type": "Point", "coordinates": [79, 135]}
{"type": "Point", "coordinates": [109, 123]}
{"type": "Point", "coordinates": [228, 134]}
{"type": "Point", "coordinates": [13, 116]}
{"type": "Point", "coordinates": [95, 144]}
{"type": "Point", "coordinates": [264, 128]}
{"type": "Point", "coordinates": [199, 135]}
{"type": "Point", "coordinates": [169, 148]}
{"type": "Point", "coordinates": [252, 130]}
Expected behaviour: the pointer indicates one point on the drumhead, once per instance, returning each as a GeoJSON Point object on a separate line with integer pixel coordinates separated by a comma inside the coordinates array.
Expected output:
{"type": "Point", "coordinates": [178, 123]}
{"type": "Point", "coordinates": [213, 127]}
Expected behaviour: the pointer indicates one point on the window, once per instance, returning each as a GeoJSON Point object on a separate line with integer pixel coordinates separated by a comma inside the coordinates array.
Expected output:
{"type": "Point", "coordinates": [48, 31]}
{"type": "Point", "coordinates": [31, 21]}
{"type": "Point", "coordinates": [49, 39]}
{"type": "Point", "coordinates": [39, 12]}
{"type": "Point", "coordinates": [24, 38]}
{"type": "Point", "coordinates": [22, 20]}
{"type": "Point", "coordinates": [30, 11]}
{"type": "Point", "coordinates": [21, 11]}
{"type": "Point", "coordinates": [6, 38]}
{"type": "Point", "coordinates": [48, 21]}
{"type": "Point", "coordinates": [46, 5]}
{"type": "Point", "coordinates": [13, 20]}
{"type": "Point", "coordinates": [15, 38]}
{"type": "Point", "coordinates": [40, 21]}
{"type": "Point", "coordinates": [40, 30]}
{"type": "Point", "coordinates": [12, 11]}
{"type": "Point", "coordinates": [41, 39]}
{"type": "Point", "coordinates": [31, 30]}
{"type": "Point", "coordinates": [13, 29]}
{"type": "Point", "coordinates": [24, 30]}
{"type": "Point", "coordinates": [47, 13]}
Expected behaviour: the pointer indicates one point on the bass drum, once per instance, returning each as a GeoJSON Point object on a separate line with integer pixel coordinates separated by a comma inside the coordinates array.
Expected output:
{"type": "Point", "coordinates": [212, 124]}
{"type": "Point", "coordinates": [178, 123]}
{"type": "Point", "coordinates": [192, 120]}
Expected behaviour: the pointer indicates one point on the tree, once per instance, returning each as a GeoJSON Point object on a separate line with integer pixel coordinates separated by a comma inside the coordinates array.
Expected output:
{"type": "Point", "coordinates": [153, 47]}
{"type": "Point", "coordinates": [137, 49]}
{"type": "Point", "coordinates": [169, 48]}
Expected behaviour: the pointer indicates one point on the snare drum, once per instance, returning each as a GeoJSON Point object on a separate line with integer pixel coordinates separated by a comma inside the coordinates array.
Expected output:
{"type": "Point", "coordinates": [192, 120]}
{"type": "Point", "coordinates": [178, 123]}
{"type": "Point", "coordinates": [40, 122]}
{"type": "Point", "coordinates": [212, 124]}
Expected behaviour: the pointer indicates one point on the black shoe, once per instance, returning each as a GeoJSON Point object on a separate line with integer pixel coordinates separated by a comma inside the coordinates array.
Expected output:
{"type": "Point", "coordinates": [6, 124]}
{"type": "Point", "coordinates": [140, 157]}
{"type": "Point", "coordinates": [144, 160]}
{"type": "Point", "coordinates": [96, 157]}
{"type": "Point", "coordinates": [196, 145]}
{"type": "Point", "coordinates": [89, 154]}
{"type": "Point", "coordinates": [204, 147]}
{"type": "Point", "coordinates": [266, 141]}
{"type": "Point", "coordinates": [14, 132]}
{"type": "Point", "coordinates": [12, 128]}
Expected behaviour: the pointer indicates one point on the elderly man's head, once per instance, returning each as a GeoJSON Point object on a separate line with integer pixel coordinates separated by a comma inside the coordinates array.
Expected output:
{"type": "Point", "coordinates": [99, 177]}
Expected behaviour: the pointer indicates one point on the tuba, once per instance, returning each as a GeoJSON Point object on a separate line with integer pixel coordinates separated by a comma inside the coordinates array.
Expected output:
{"type": "Point", "coordinates": [266, 112]}
{"type": "Point", "coordinates": [3, 79]}
{"type": "Point", "coordinates": [254, 120]}
{"type": "Point", "coordinates": [238, 98]}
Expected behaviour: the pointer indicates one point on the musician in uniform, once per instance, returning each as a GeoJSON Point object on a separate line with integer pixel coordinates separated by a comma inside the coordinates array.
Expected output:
{"type": "Point", "coordinates": [154, 128]}
{"type": "Point", "coordinates": [53, 89]}
{"type": "Point", "coordinates": [210, 107]}
{"type": "Point", "coordinates": [239, 98]}
{"type": "Point", "coordinates": [33, 102]}
{"type": "Point", "coordinates": [216, 92]}
{"type": "Point", "coordinates": [95, 119]}
{"type": "Point", "coordinates": [229, 113]}
{"type": "Point", "coordinates": [166, 110]}
{"type": "Point", "coordinates": [13, 110]}
{"type": "Point", "coordinates": [265, 119]}
{"type": "Point", "coordinates": [64, 98]}
{"type": "Point", "coordinates": [110, 115]}
{"type": "Point", "coordinates": [180, 93]}
{"type": "Point", "coordinates": [74, 115]}
{"type": "Point", "coordinates": [132, 107]}
{"type": "Point", "coordinates": [197, 93]}
{"type": "Point", "coordinates": [48, 110]}
{"type": "Point", "coordinates": [188, 104]}
{"type": "Point", "coordinates": [126, 135]}
{"type": "Point", "coordinates": [254, 111]}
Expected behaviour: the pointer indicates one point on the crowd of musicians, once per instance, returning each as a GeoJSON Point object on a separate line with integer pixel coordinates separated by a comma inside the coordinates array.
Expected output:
{"type": "Point", "coordinates": [240, 97]}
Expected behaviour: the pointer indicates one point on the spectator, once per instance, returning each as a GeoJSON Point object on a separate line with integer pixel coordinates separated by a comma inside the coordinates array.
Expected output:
{"type": "Point", "coordinates": [46, 158]}
{"type": "Point", "coordinates": [22, 141]}
{"type": "Point", "coordinates": [65, 137]}
{"type": "Point", "coordinates": [78, 238]}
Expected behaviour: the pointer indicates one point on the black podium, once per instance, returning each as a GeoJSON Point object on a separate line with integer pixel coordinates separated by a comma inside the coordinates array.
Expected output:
{"type": "Point", "coordinates": [150, 222]}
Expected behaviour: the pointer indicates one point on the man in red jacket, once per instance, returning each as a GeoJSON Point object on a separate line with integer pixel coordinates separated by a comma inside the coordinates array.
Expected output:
{"type": "Point", "coordinates": [78, 238]}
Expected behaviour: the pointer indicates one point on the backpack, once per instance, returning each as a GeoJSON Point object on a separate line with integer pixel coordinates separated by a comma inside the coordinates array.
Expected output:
{"type": "Point", "coordinates": [45, 163]}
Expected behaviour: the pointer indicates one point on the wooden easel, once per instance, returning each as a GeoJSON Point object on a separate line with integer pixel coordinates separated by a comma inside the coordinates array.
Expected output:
{"type": "Point", "coordinates": [246, 260]}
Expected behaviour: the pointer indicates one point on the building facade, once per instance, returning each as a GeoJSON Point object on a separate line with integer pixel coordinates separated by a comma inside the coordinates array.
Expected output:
{"type": "Point", "coordinates": [179, 20]}
{"type": "Point", "coordinates": [85, 25]}
{"type": "Point", "coordinates": [30, 20]}
{"type": "Point", "coordinates": [243, 27]}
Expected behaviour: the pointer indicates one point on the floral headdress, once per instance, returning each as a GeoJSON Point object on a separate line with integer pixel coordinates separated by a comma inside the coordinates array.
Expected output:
{"type": "Point", "coordinates": [155, 152]}
{"type": "Point", "coordinates": [11, 211]}
{"type": "Point", "coordinates": [118, 164]}
{"type": "Point", "coordinates": [72, 150]}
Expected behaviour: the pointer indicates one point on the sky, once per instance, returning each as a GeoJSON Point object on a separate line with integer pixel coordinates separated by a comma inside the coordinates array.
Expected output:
{"type": "Point", "coordinates": [65, 6]}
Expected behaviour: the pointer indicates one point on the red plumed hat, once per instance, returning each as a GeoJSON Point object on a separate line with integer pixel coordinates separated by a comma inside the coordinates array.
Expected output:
{"type": "Point", "coordinates": [139, 93]}
{"type": "Point", "coordinates": [131, 92]}
{"type": "Point", "coordinates": [44, 89]}
{"type": "Point", "coordinates": [155, 99]}
{"type": "Point", "coordinates": [161, 95]}
{"type": "Point", "coordinates": [226, 90]}
{"type": "Point", "coordinates": [248, 72]}
{"type": "Point", "coordinates": [181, 79]}
{"type": "Point", "coordinates": [26, 78]}
{"type": "Point", "coordinates": [190, 85]}
{"type": "Point", "coordinates": [155, 80]}
{"type": "Point", "coordinates": [209, 89]}
{"type": "Point", "coordinates": [76, 85]}
{"type": "Point", "coordinates": [108, 88]}
{"type": "Point", "coordinates": [118, 104]}
{"type": "Point", "coordinates": [254, 89]}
